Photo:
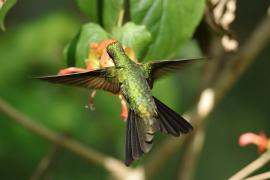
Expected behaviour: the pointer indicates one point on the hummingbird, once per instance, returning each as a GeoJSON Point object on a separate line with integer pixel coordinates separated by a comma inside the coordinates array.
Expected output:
{"type": "Point", "coordinates": [134, 81]}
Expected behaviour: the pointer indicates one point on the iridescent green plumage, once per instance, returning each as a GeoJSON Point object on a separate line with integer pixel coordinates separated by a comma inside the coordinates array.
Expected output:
{"type": "Point", "coordinates": [134, 81]}
{"type": "Point", "coordinates": [137, 93]}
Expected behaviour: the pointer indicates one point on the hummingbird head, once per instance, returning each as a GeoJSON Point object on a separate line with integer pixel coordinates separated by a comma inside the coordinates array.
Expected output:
{"type": "Point", "coordinates": [116, 52]}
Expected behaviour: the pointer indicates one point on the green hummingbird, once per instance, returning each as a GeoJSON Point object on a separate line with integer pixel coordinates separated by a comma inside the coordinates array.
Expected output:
{"type": "Point", "coordinates": [134, 81]}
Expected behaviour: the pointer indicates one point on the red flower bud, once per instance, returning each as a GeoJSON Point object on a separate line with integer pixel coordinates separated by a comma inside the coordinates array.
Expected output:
{"type": "Point", "coordinates": [251, 138]}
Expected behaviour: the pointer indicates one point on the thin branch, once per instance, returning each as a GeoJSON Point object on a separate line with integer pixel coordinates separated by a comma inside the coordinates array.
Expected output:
{"type": "Point", "coordinates": [253, 166]}
{"type": "Point", "coordinates": [45, 163]}
{"type": "Point", "coordinates": [116, 167]}
{"type": "Point", "coordinates": [260, 176]}
{"type": "Point", "coordinates": [120, 18]}
{"type": "Point", "coordinates": [237, 64]}
{"type": "Point", "coordinates": [158, 159]}
{"type": "Point", "coordinates": [193, 147]}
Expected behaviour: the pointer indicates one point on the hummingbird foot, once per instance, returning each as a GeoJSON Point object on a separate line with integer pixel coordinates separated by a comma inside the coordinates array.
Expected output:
{"type": "Point", "coordinates": [124, 113]}
{"type": "Point", "coordinates": [91, 100]}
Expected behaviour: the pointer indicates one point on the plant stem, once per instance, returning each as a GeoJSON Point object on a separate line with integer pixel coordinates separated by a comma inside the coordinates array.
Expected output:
{"type": "Point", "coordinates": [211, 95]}
{"type": "Point", "coordinates": [116, 167]}
{"type": "Point", "coordinates": [253, 166]}
{"type": "Point", "coordinates": [260, 176]}
{"type": "Point", "coordinates": [45, 163]}
{"type": "Point", "coordinates": [194, 148]}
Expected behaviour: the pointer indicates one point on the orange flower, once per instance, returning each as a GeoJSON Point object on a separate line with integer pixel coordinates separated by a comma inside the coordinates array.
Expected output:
{"type": "Point", "coordinates": [258, 139]}
{"type": "Point", "coordinates": [99, 58]}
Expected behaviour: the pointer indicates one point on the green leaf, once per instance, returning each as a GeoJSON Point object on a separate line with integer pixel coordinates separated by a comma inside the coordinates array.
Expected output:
{"type": "Point", "coordinates": [107, 13]}
{"type": "Point", "coordinates": [113, 11]}
{"type": "Point", "coordinates": [70, 51]}
{"type": "Point", "coordinates": [171, 24]}
{"type": "Point", "coordinates": [5, 6]}
{"type": "Point", "coordinates": [90, 8]}
{"type": "Point", "coordinates": [77, 50]}
{"type": "Point", "coordinates": [134, 36]}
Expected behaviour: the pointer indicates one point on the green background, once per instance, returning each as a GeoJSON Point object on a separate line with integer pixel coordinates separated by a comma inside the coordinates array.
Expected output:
{"type": "Point", "coordinates": [37, 32]}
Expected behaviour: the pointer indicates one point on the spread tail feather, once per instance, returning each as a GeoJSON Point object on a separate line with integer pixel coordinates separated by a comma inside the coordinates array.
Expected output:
{"type": "Point", "coordinates": [139, 135]}
{"type": "Point", "coordinates": [139, 138]}
{"type": "Point", "coordinates": [169, 121]}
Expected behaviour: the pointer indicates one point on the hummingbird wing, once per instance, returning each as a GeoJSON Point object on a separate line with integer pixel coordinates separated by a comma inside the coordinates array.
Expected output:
{"type": "Point", "coordinates": [157, 69]}
{"type": "Point", "coordinates": [104, 78]}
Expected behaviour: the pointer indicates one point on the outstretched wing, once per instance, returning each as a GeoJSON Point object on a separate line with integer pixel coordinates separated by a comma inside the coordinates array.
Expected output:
{"type": "Point", "coordinates": [105, 79]}
{"type": "Point", "coordinates": [157, 69]}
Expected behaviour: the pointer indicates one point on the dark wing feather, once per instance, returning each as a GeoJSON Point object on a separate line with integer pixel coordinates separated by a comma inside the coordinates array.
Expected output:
{"type": "Point", "coordinates": [157, 69]}
{"type": "Point", "coordinates": [98, 79]}
{"type": "Point", "coordinates": [170, 122]}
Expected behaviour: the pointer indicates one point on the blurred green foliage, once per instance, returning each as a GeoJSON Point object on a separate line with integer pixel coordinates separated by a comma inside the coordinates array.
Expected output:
{"type": "Point", "coordinates": [34, 47]}
{"type": "Point", "coordinates": [88, 34]}
{"type": "Point", "coordinates": [171, 24]}
{"type": "Point", "coordinates": [135, 36]}
{"type": "Point", "coordinates": [4, 8]}
{"type": "Point", "coordinates": [154, 29]}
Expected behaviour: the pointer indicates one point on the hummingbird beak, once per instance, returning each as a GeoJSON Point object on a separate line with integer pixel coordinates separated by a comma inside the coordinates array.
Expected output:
{"type": "Point", "coordinates": [110, 54]}
{"type": "Point", "coordinates": [111, 57]}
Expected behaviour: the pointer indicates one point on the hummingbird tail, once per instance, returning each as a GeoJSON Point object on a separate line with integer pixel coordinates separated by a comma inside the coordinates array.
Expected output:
{"type": "Point", "coordinates": [139, 138]}
{"type": "Point", "coordinates": [139, 135]}
{"type": "Point", "coordinates": [170, 122]}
